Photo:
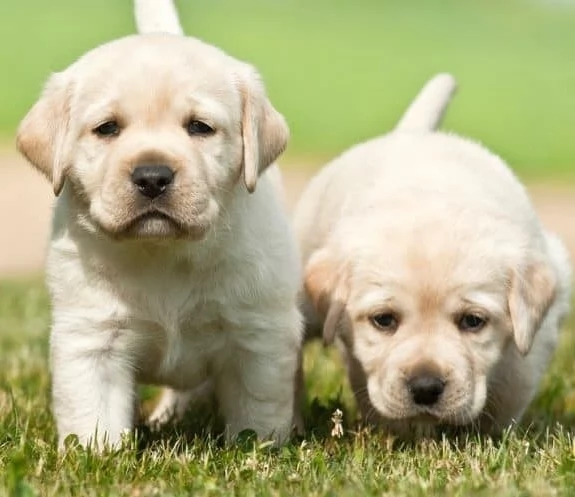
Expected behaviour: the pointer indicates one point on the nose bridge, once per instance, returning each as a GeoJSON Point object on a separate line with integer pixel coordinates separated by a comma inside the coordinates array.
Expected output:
{"type": "Point", "coordinates": [426, 347]}
{"type": "Point", "coordinates": [425, 367]}
{"type": "Point", "coordinates": [153, 146]}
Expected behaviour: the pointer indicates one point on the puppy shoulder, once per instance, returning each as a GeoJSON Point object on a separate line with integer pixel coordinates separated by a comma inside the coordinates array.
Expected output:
{"type": "Point", "coordinates": [263, 236]}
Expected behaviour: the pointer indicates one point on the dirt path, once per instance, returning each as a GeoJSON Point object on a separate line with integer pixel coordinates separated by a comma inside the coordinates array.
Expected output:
{"type": "Point", "coordinates": [24, 217]}
{"type": "Point", "coordinates": [27, 198]}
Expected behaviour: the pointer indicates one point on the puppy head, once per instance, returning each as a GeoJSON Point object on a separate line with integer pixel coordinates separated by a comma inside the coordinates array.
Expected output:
{"type": "Point", "coordinates": [427, 310]}
{"type": "Point", "coordinates": [152, 133]}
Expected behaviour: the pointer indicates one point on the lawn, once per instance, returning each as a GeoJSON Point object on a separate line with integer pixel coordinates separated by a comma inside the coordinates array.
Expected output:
{"type": "Point", "coordinates": [538, 459]}
{"type": "Point", "coordinates": [343, 70]}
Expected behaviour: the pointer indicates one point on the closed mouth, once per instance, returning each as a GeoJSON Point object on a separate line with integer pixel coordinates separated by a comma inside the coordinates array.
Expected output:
{"type": "Point", "coordinates": [155, 223]}
{"type": "Point", "coordinates": [453, 417]}
{"type": "Point", "coordinates": [171, 227]}
{"type": "Point", "coordinates": [426, 417]}
{"type": "Point", "coordinates": [154, 214]}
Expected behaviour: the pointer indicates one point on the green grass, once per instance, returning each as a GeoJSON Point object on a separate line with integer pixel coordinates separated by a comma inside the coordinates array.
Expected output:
{"type": "Point", "coordinates": [342, 70]}
{"type": "Point", "coordinates": [537, 460]}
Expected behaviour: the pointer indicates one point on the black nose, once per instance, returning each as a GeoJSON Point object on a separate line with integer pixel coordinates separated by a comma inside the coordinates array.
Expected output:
{"type": "Point", "coordinates": [425, 389]}
{"type": "Point", "coordinates": [152, 181]}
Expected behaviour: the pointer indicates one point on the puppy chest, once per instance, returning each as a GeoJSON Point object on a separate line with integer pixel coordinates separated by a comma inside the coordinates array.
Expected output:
{"type": "Point", "coordinates": [183, 353]}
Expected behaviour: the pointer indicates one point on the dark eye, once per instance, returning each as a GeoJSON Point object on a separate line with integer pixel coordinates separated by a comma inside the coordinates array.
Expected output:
{"type": "Point", "coordinates": [109, 128]}
{"type": "Point", "coordinates": [386, 321]}
{"type": "Point", "coordinates": [471, 322]}
{"type": "Point", "coordinates": [195, 128]}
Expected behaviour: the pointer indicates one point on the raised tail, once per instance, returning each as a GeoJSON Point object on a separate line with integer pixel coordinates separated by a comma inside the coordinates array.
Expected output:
{"type": "Point", "coordinates": [427, 110]}
{"type": "Point", "coordinates": [157, 16]}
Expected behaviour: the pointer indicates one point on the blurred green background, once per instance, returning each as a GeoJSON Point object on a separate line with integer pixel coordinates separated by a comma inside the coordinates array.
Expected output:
{"type": "Point", "coordinates": [342, 71]}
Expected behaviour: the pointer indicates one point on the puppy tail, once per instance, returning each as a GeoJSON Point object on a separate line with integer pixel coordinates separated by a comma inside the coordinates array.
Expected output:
{"type": "Point", "coordinates": [157, 16]}
{"type": "Point", "coordinates": [426, 111]}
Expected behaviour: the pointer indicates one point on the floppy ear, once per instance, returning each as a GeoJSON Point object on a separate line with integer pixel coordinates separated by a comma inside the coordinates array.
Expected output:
{"type": "Point", "coordinates": [264, 130]}
{"type": "Point", "coordinates": [43, 132]}
{"type": "Point", "coordinates": [326, 286]}
{"type": "Point", "coordinates": [532, 292]}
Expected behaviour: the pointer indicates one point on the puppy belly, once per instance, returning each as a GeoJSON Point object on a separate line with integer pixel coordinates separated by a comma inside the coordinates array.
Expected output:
{"type": "Point", "coordinates": [180, 376]}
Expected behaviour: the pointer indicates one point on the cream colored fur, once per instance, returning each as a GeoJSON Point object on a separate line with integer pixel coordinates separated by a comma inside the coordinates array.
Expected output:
{"type": "Point", "coordinates": [196, 285]}
{"type": "Point", "coordinates": [425, 232]}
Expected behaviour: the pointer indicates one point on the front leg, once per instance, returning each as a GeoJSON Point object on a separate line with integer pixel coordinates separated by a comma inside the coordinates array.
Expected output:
{"type": "Point", "coordinates": [255, 384]}
{"type": "Point", "coordinates": [93, 383]}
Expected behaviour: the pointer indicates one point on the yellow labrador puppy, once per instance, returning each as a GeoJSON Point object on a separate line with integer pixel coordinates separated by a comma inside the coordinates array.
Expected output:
{"type": "Point", "coordinates": [166, 265]}
{"type": "Point", "coordinates": [423, 255]}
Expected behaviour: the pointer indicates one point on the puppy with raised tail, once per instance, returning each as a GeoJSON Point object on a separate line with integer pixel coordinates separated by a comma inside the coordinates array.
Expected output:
{"type": "Point", "coordinates": [166, 264]}
{"type": "Point", "coordinates": [424, 257]}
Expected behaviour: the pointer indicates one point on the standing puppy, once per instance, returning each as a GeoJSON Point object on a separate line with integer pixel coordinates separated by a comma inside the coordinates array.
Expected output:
{"type": "Point", "coordinates": [423, 255]}
{"type": "Point", "coordinates": [166, 265]}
